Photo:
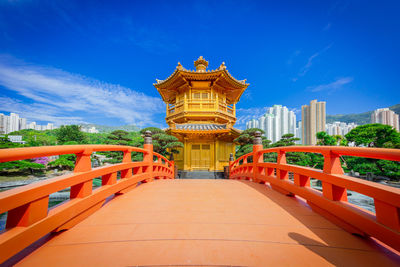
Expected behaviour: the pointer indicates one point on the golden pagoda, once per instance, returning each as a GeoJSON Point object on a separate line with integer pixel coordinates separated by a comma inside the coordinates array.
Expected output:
{"type": "Point", "coordinates": [201, 113]}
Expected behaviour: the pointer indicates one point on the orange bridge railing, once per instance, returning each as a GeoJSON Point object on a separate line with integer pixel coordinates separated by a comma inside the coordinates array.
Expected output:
{"type": "Point", "coordinates": [29, 217]}
{"type": "Point", "coordinates": [331, 203]}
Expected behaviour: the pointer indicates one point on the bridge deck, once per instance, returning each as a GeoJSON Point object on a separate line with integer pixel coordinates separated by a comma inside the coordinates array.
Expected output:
{"type": "Point", "coordinates": [208, 223]}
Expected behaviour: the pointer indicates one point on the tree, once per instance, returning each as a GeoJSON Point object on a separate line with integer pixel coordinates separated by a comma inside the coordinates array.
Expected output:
{"type": "Point", "coordinates": [297, 158]}
{"type": "Point", "coordinates": [325, 139]}
{"type": "Point", "coordinates": [96, 138]}
{"type": "Point", "coordinates": [313, 160]}
{"type": "Point", "coordinates": [246, 139]}
{"type": "Point", "coordinates": [119, 137]}
{"type": "Point", "coordinates": [153, 130]}
{"type": "Point", "coordinates": [137, 141]}
{"type": "Point", "coordinates": [374, 135]}
{"type": "Point", "coordinates": [37, 138]}
{"type": "Point", "coordinates": [247, 136]}
{"type": "Point", "coordinates": [286, 140]}
{"type": "Point", "coordinates": [389, 168]}
{"type": "Point", "coordinates": [64, 162]}
{"type": "Point", "coordinates": [70, 133]}
{"type": "Point", "coordinates": [163, 143]}
{"type": "Point", "coordinates": [21, 165]}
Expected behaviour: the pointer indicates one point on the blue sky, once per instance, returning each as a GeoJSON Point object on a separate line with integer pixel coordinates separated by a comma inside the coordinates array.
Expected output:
{"type": "Point", "coordinates": [96, 61]}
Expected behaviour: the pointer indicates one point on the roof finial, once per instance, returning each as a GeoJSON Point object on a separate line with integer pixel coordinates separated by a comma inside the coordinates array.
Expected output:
{"type": "Point", "coordinates": [179, 67]}
{"type": "Point", "coordinates": [222, 67]}
{"type": "Point", "coordinates": [201, 64]}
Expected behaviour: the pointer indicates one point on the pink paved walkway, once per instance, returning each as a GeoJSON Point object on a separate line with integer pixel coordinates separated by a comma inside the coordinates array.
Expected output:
{"type": "Point", "coordinates": [206, 223]}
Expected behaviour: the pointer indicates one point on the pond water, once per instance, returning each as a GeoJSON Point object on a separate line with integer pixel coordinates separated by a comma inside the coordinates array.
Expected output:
{"type": "Point", "coordinates": [355, 198]}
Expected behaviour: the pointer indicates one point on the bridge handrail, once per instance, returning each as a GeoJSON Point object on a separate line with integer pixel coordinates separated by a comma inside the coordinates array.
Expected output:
{"type": "Point", "coordinates": [161, 157]}
{"type": "Point", "coordinates": [375, 153]}
{"type": "Point", "coordinates": [245, 156]}
{"type": "Point", "coordinates": [22, 195]}
{"type": "Point", "coordinates": [332, 203]}
{"type": "Point", "coordinates": [22, 153]}
{"type": "Point", "coordinates": [371, 189]}
{"type": "Point", "coordinates": [29, 217]}
{"type": "Point", "coordinates": [367, 152]}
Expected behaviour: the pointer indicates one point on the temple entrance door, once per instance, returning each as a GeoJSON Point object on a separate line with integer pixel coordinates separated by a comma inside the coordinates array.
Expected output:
{"type": "Point", "coordinates": [205, 156]}
{"type": "Point", "coordinates": [200, 157]}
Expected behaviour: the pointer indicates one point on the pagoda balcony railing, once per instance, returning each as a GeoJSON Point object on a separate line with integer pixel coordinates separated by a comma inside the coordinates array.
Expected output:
{"type": "Point", "coordinates": [29, 217]}
{"type": "Point", "coordinates": [201, 105]}
{"type": "Point", "coordinates": [383, 225]}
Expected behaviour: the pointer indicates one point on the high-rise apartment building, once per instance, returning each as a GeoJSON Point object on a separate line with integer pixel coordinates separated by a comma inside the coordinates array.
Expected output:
{"type": "Point", "coordinates": [3, 123]}
{"type": "Point", "coordinates": [385, 116]}
{"type": "Point", "coordinates": [313, 121]}
{"type": "Point", "coordinates": [339, 128]}
{"type": "Point", "coordinates": [32, 125]}
{"type": "Point", "coordinates": [14, 123]}
{"type": "Point", "coordinates": [277, 121]}
{"type": "Point", "coordinates": [252, 124]}
{"type": "Point", "coordinates": [299, 133]}
{"type": "Point", "coordinates": [22, 123]}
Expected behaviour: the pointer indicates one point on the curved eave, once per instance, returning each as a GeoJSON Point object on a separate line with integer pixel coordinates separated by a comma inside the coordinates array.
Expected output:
{"type": "Point", "coordinates": [193, 75]}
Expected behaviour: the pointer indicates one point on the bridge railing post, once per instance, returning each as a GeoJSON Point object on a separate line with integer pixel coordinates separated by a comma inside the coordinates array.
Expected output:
{"type": "Point", "coordinates": [387, 214]}
{"type": "Point", "coordinates": [332, 165]}
{"type": "Point", "coordinates": [127, 158]}
{"type": "Point", "coordinates": [281, 174]}
{"type": "Point", "coordinates": [28, 214]}
{"type": "Point", "coordinates": [257, 158]}
{"type": "Point", "coordinates": [172, 166]}
{"type": "Point", "coordinates": [148, 157]}
{"type": "Point", "coordinates": [83, 164]}
{"type": "Point", "coordinates": [230, 165]}
{"type": "Point", "coordinates": [127, 173]}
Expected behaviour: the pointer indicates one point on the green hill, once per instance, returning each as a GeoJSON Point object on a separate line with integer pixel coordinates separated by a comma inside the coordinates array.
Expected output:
{"type": "Point", "coordinates": [109, 129]}
{"type": "Point", "coordinates": [360, 118]}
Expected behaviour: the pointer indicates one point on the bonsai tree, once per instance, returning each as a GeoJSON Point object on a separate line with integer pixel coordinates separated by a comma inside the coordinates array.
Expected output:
{"type": "Point", "coordinates": [245, 141]}
{"type": "Point", "coordinates": [163, 143]}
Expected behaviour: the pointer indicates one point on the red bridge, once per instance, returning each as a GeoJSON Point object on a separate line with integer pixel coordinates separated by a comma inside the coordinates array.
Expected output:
{"type": "Point", "coordinates": [259, 217]}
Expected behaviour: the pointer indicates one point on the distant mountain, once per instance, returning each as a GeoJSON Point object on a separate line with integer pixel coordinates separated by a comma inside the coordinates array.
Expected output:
{"type": "Point", "coordinates": [109, 129]}
{"type": "Point", "coordinates": [360, 118]}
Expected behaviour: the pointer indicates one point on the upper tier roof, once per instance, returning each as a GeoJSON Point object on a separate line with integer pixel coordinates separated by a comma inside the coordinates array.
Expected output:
{"type": "Point", "coordinates": [221, 78]}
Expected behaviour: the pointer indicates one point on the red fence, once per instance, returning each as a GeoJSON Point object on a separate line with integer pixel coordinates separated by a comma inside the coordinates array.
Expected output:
{"type": "Point", "coordinates": [332, 203]}
{"type": "Point", "coordinates": [29, 217]}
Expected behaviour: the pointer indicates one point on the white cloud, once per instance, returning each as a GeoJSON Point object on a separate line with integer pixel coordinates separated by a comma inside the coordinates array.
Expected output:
{"type": "Point", "coordinates": [56, 94]}
{"type": "Point", "coordinates": [331, 86]}
{"type": "Point", "coordinates": [310, 62]}
{"type": "Point", "coordinates": [38, 112]}
{"type": "Point", "coordinates": [296, 110]}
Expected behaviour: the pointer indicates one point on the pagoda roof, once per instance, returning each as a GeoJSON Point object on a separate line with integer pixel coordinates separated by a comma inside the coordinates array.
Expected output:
{"type": "Point", "coordinates": [221, 78]}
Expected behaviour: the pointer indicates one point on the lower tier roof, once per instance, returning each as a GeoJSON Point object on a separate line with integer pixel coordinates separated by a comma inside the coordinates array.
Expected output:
{"type": "Point", "coordinates": [200, 127]}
